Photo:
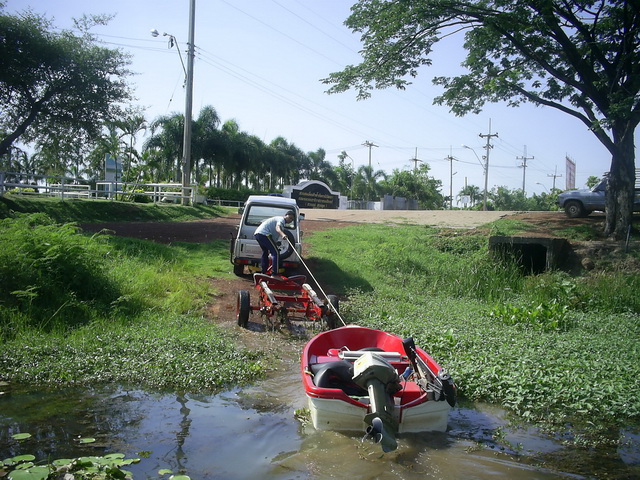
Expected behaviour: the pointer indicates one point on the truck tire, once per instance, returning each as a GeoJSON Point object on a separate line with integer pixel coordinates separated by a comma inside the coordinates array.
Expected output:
{"type": "Point", "coordinates": [238, 270]}
{"type": "Point", "coordinates": [574, 209]}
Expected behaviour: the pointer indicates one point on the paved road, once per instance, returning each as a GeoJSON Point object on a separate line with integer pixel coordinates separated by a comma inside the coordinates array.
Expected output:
{"type": "Point", "coordinates": [436, 218]}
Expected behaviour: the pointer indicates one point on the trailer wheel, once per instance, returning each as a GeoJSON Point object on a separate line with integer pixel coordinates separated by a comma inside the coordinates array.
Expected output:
{"type": "Point", "coordinates": [243, 308]}
{"type": "Point", "coordinates": [332, 319]}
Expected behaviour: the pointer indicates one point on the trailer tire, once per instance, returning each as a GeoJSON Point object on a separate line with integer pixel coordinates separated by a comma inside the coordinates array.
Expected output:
{"type": "Point", "coordinates": [243, 308]}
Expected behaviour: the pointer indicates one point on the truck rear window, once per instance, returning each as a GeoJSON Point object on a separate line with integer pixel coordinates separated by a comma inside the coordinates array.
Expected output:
{"type": "Point", "coordinates": [257, 213]}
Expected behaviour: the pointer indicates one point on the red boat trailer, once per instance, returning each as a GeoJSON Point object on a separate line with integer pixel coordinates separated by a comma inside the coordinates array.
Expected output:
{"type": "Point", "coordinates": [284, 297]}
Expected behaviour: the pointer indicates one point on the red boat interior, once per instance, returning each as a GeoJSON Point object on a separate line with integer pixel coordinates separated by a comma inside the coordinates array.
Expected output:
{"type": "Point", "coordinates": [330, 355]}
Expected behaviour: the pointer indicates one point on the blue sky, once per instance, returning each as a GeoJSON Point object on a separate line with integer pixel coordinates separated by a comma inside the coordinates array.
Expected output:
{"type": "Point", "coordinates": [260, 62]}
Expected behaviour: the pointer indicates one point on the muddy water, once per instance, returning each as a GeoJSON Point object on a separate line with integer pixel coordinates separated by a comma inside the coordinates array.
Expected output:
{"type": "Point", "coordinates": [252, 433]}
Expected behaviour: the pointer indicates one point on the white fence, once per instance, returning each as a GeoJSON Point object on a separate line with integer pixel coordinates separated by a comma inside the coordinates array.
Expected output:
{"type": "Point", "coordinates": [65, 187]}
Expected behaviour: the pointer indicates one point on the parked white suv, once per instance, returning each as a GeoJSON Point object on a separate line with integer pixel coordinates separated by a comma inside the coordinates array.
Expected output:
{"type": "Point", "coordinates": [245, 251]}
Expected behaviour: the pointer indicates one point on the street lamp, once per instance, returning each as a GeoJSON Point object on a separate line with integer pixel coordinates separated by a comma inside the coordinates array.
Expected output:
{"type": "Point", "coordinates": [486, 174]}
{"type": "Point", "coordinates": [186, 144]}
{"type": "Point", "coordinates": [538, 183]}
{"type": "Point", "coordinates": [172, 42]}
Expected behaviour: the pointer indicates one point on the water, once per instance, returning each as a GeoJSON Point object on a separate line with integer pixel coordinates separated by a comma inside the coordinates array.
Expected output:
{"type": "Point", "coordinates": [252, 433]}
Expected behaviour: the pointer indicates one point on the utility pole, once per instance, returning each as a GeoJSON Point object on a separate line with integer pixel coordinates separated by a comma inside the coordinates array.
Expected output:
{"type": "Point", "coordinates": [369, 144]}
{"type": "Point", "coordinates": [186, 150]}
{"type": "Point", "coordinates": [488, 147]}
{"type": "Point", "coordinates": [451, 159]}
{"type": "Point", "coordinates": [554, 175]}
{"type": "Point", "coordinates": [524, 159]}
{"type": "Point", "coordinates": [415, 161]}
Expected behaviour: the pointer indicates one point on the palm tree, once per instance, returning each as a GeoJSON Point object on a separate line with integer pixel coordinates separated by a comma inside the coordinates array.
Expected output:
{"type": "Point", "coordinates": [131, 125]}
{"type": "Point", "coordinates": [472, 192]}
{"type": "Point", "coordinates": [366, 181]}
{"type": "Point", "coordinates": [320, 168]}
{"type": "Point", "coordinates": [207, 141]}
{"type": "Point", "coordinates": [167, 137]}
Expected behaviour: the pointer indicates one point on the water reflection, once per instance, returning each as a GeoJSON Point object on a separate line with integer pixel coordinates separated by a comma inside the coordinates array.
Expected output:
{"type": "Point", "coordinates": [252, 433]}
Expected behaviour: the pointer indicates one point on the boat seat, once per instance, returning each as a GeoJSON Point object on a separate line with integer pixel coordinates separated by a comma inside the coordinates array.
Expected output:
{"type": "Point", "coordinates": [338, 374]}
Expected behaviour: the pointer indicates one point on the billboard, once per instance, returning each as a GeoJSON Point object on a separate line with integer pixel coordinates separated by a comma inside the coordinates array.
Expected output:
{"type": "Point", "coordinates": [571, 174]}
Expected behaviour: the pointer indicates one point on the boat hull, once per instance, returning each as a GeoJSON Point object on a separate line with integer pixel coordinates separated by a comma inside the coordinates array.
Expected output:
{"type": "Point", "coordinates": [340, 416]}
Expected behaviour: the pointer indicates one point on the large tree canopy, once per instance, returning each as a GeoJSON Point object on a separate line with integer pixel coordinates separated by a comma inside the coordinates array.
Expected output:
{"type": "Point", "coordinates": [55, 85]}
{"type": "Point", "coordinates": [581, 57]}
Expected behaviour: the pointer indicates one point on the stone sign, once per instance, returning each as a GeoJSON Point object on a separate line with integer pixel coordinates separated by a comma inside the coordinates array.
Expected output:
{"type": "Point", "coordinates": [314, 194]}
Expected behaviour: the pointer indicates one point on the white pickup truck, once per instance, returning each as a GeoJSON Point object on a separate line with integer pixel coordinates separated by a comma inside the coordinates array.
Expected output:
{"type": "Point", "coordinates": [245, 251]}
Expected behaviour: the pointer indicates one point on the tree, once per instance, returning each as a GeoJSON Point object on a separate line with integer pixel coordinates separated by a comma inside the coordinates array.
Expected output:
{"type": "Point", "coordinates": [580, 57]}
{"type": "Point", "coordinates": [320, 169]}
{"type": "Point", "coordinates": [167, 135]}
{"type": "Point", "coordinates": [471, 191]}
{"type": "Point", "coordinates": [132, 123]}
{"type": "Point", "coordinates": [592, 181]}
{"type": "Point", "coordinates": [56, 86]}
{"type": "Point", "coordinates": [207, 141]}
{"type": "Point", "coordinates": [366, 182]}
{"type": "Point", "coordinates": [416, 184]}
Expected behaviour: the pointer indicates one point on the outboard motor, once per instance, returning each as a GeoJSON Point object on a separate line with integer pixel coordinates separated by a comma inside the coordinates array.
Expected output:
{"type": "Point", "coordinates": [381, 380]}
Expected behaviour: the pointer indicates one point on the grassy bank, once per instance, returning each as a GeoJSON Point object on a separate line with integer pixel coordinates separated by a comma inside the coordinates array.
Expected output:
{"type": "Point", "coordinates": [96, 211]}
{"type": "Point", "coordinates": [80, 308]}
{"type": "Point", "coordinates": [554, 349]}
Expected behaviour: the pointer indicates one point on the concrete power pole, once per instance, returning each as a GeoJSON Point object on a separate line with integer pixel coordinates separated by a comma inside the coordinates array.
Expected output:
{"type": "Point", "coordinates": [451, 159]}
{"type": "Point", "coordinates": [555, 175]}
{"type": "Point", "coordinates": [488, 147]}
{"type": "Point", "coordinates": [415, 161]}
{"type": "Point", "coordinates": [186, 147]}
{"type": "Point", "coordinates": [369, 144]}
{"type": "Point", "coordinates": [524, 159]}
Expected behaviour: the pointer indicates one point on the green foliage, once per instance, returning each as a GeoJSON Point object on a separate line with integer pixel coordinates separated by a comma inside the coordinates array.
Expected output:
{"type": "Point", "coordinates": [240, 195]}
{"type": "Point", "coordinates": [55, 86]}
{"type": "Point", "coordinates": [107, 467]}
{"type": "Point", "coordinates": [417, 185]}
{"type": "Point", "coordinates": [413, 257]}
{"type": "Point", "coordinates": [547, 317]}
{"type": "Point", "coordinates": [157, 351]}
{"type": "Point", "coordinates": [78, 309]}
{"type": "Point", "coordinates": [50, 275]}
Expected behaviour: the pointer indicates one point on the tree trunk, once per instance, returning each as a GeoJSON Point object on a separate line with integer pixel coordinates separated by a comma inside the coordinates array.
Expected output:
{"type": "Point", "coordinates": [621, 186]}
